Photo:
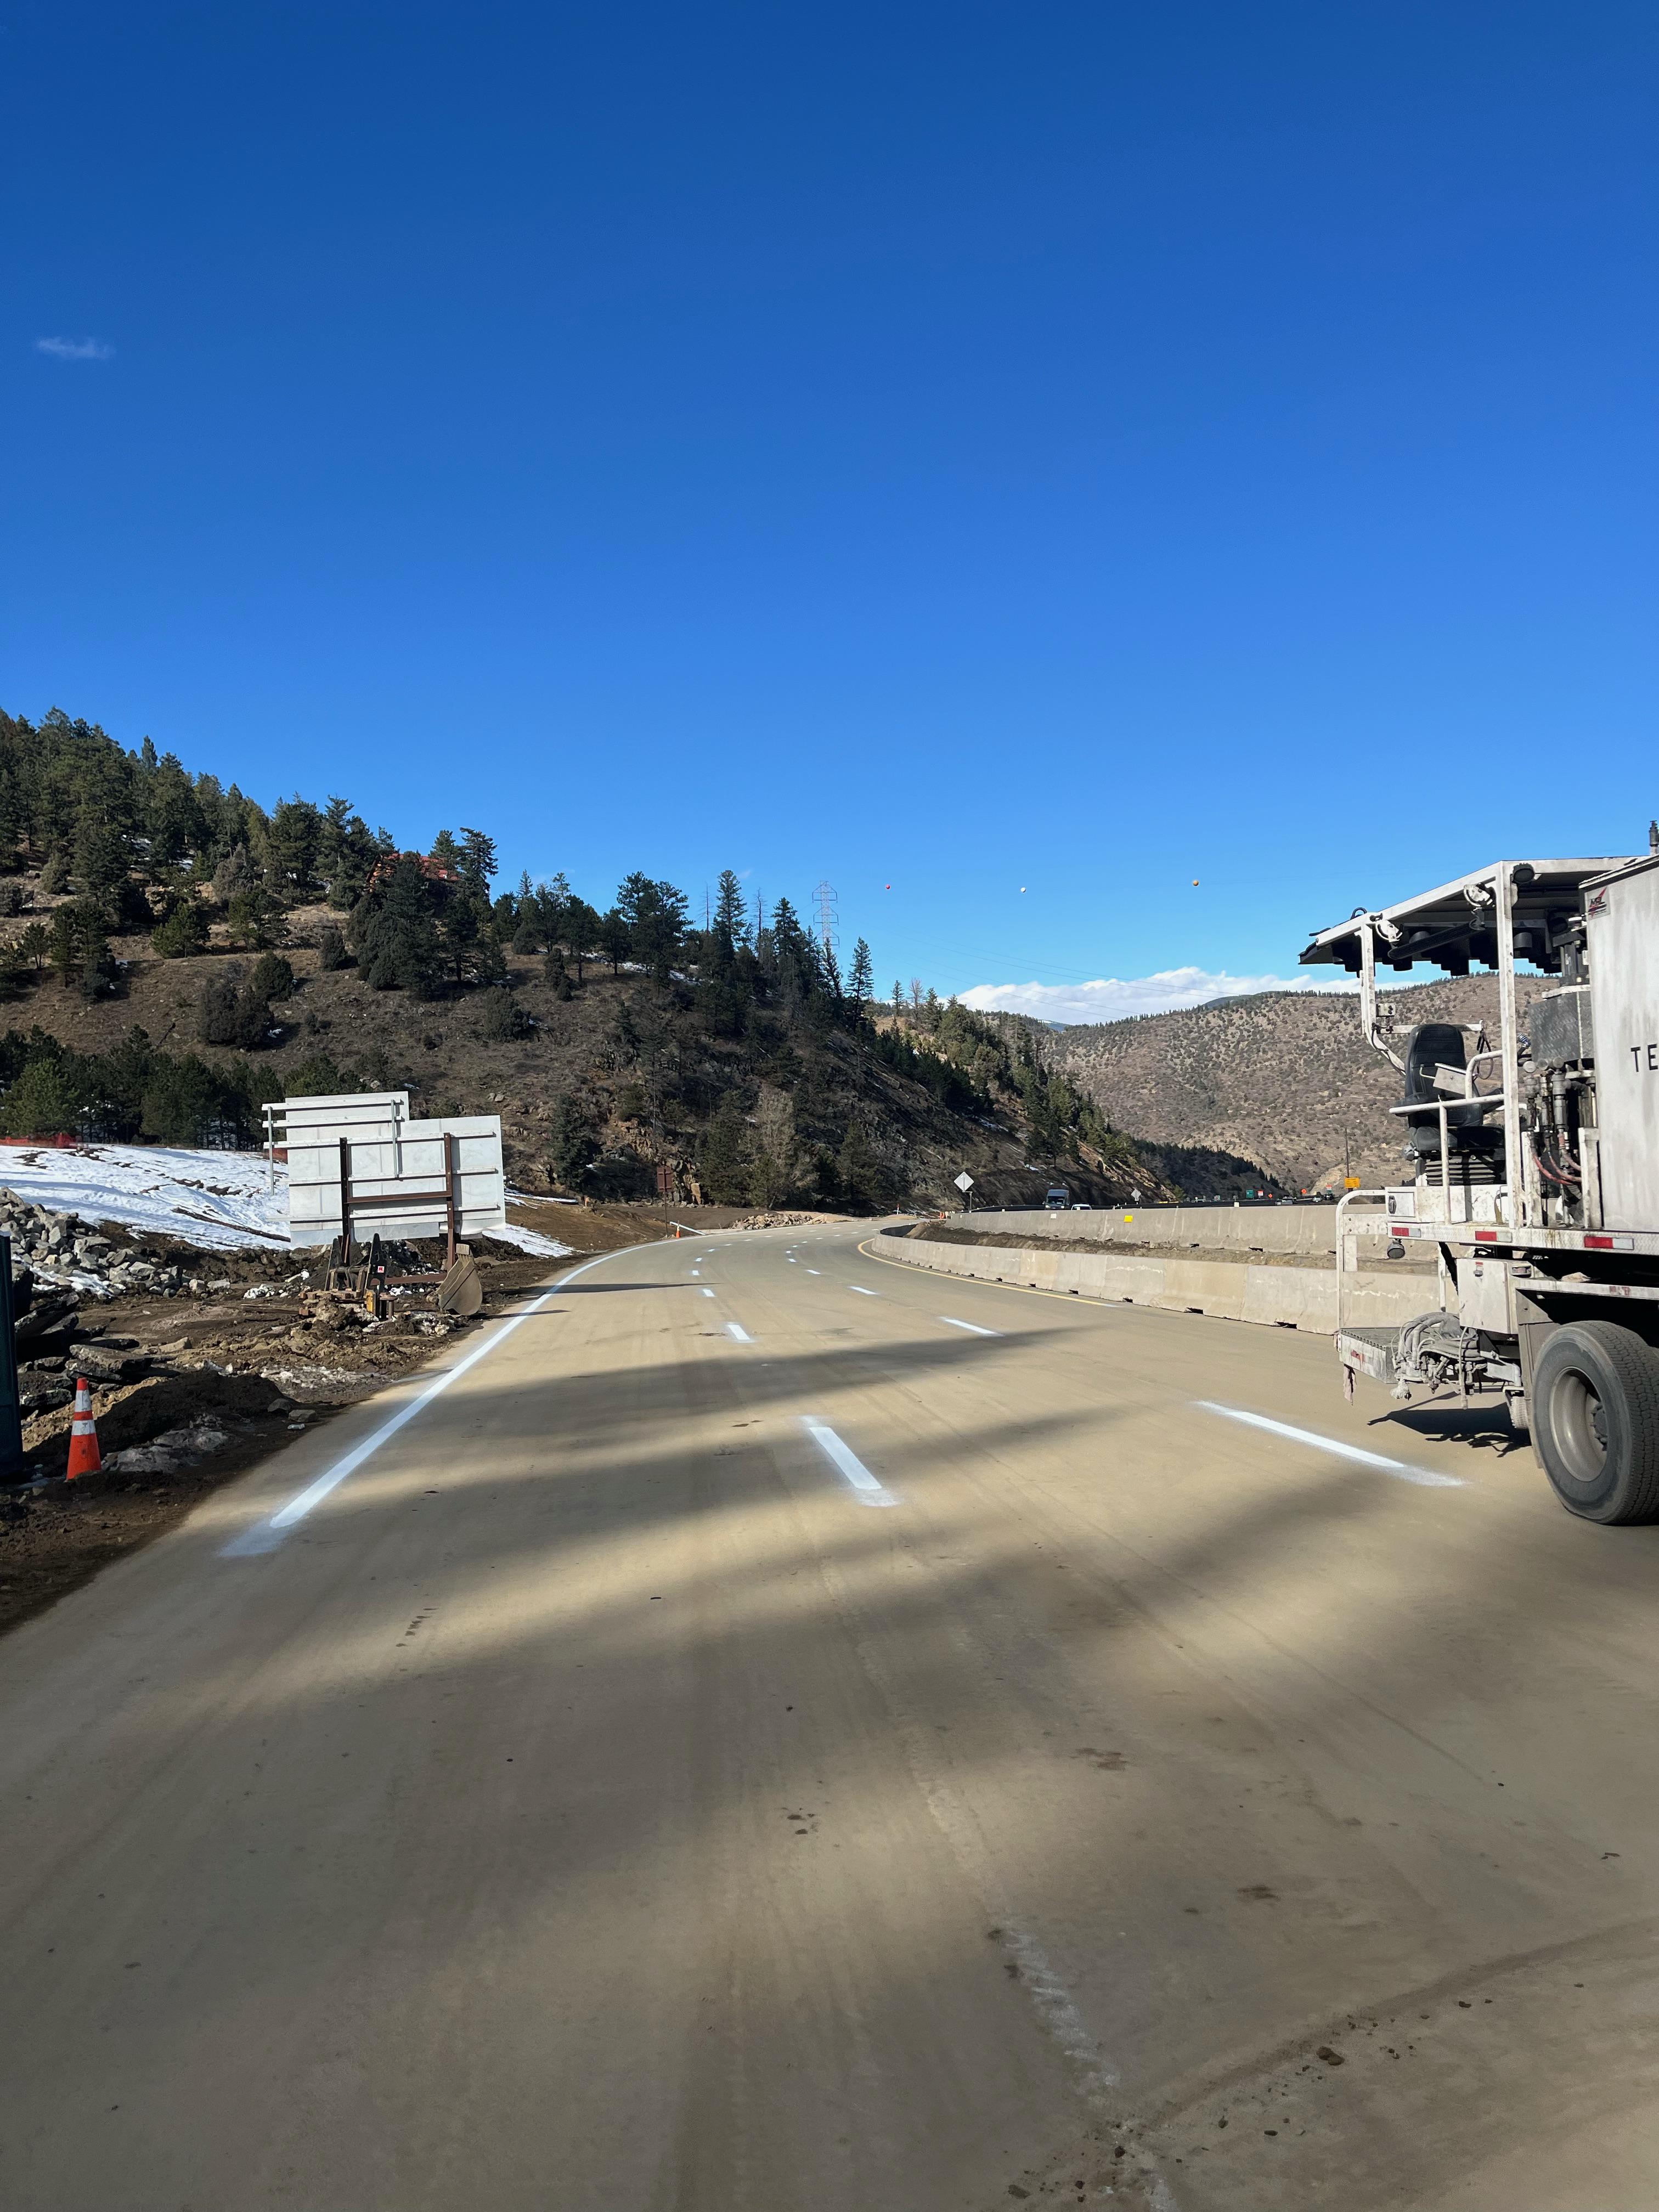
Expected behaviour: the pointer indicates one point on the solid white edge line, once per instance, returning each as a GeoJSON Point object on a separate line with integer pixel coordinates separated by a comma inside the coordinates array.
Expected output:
{"type": "Point", "coordinates": [739, 1333]}
{"type": "Point", "coordinates": [972, 1326]}
{"type": "Point", "coordinates": [1398, 1468]}
{"type": "Point", "coordinates": [266, 1536]}
{"type": "Point", "coordinates": [845, 1462]}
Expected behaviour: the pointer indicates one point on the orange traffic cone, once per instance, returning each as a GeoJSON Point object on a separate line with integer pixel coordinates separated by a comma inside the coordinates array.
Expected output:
{"type": "Point", "coordinates": [84, 1457]}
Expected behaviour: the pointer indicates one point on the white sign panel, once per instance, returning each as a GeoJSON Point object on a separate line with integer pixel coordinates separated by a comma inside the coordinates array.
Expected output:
{"type": "Point", "coordinates": [392, 1158]}
{"type": "Point", "coordinates": [965, 1180]}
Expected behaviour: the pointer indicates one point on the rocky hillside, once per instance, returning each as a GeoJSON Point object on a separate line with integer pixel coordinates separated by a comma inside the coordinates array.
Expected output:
{"type": "Point", "coordinates": [1284, 1078]}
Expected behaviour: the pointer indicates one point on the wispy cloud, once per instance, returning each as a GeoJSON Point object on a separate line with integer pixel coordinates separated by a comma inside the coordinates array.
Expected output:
{"type": "Point", "coordinates": [75, 349]}
{"type": "Point", "coordinates": [1112, 999]}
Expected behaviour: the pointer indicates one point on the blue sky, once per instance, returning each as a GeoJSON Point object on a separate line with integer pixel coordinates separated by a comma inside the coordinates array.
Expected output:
{"type": "Point", "coordinates": [1086, 448]}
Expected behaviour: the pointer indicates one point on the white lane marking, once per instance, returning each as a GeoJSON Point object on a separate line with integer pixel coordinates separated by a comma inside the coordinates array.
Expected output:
{"type": "Point", "coordinates": [972, 1326]}
{"type": "Point", "coordinates": [862, 1292]}
{"type": "Point", "coordinates": [814, 1271]}
{"type": "Point", "coordinates": [706, 1293]}
{"type": "Point", "coordinates": [736, 1330]}
{"type": "Point", "coordinates": [846, 1463]}
{"type": "Point", "coordinates": [266, 1536]}
{"type": "Point", "coordinates": [1400, 1468]}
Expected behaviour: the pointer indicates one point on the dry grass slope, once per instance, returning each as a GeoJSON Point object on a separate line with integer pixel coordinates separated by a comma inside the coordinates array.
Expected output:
{"type": "Point", "coordinates": [1283, 1079]}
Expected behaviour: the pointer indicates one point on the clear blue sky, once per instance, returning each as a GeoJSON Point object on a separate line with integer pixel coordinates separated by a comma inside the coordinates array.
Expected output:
{"type": "Point", "coordinates": [963, 447]}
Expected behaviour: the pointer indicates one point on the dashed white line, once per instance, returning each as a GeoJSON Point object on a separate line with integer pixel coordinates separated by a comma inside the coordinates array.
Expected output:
{"type": "Point", "coordinates": [862, 1292]}
{"type": "Point", "coordinates": [737, 1331]}
{"type": "Point", "coordinates": [1400, 1469]}
{"type": "Point", "coordinates": [706, 1293]}
{"type": "Point", "coordinates": [814, 1271]}
{"type": "Point", "coordinates": [846, 1463]}
{"type": "Point", "coordinates": [972, 1326]}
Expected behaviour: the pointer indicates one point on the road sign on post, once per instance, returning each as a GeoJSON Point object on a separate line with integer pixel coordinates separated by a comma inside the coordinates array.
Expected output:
{"type": "Point", "coordinates": [965, 1180]}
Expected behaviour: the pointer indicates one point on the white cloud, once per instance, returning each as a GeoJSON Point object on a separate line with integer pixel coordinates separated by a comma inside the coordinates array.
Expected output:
{"type": "Point", "coordinates": [75, 349]}
{"type": "Point", "coordinates": [1113, 1000]}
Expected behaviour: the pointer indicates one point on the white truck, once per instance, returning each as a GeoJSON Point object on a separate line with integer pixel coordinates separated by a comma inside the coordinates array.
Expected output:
{"type": "Point", "coordinates": [1533, 1164]}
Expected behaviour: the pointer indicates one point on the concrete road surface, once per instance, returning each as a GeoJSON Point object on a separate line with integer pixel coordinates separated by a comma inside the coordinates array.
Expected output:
{"type": "Point", "coordinates": [779, 1730]}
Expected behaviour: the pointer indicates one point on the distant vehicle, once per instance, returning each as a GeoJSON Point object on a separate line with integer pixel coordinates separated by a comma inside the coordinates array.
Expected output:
{"type": "Point", "coordinates": [1058, 1200]}
{"type": "Point", "coordinates": [1083, 1207]}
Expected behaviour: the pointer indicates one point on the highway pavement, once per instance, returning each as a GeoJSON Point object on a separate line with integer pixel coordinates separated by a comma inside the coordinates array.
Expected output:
{"type": "Point", "coordinates": [771, 1729]}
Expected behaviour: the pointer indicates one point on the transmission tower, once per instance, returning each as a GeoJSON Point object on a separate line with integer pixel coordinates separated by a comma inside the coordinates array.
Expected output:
{"type": "Point", "coordinates": [829, 918]}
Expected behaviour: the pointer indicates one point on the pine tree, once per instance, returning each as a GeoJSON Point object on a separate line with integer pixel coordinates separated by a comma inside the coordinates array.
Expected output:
{"type": "Point", "coordinates": [397, 945]}
{"type": "Point", "coordinates": [477, 861]}
{"type": "Point", "coordinates": [898, 1002]}
{"type": "Point", "coordinates": [182, 932]}
{"type": "Point", "coordinates": [729, 911]}
{"type": "Point", "coordinates": [721, 1154]}
{"type": "Point", "coordinates": [557, 975]}
{"type": "Point", "coordinates": [571, 1143]}
{"type": "Point", "coordinates": [34, 944]}
{"type": "Point", "coordinates": [615, 939]}
{"type": "Point", "coordinates": [861, 983]}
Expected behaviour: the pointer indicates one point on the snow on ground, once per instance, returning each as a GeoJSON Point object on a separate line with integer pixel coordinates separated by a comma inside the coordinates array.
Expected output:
{"type": "Point", "coordinates": [531, 1241]}
{"type": "Point", "coordinates": [220, 1200]}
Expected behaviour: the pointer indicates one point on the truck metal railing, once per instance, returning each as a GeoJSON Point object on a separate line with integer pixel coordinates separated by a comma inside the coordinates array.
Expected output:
{"type": "Point", "coordinates": [1442, 1107]}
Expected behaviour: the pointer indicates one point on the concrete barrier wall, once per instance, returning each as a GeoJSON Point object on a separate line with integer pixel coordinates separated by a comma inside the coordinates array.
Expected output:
{"type": "Point", "coordinates": [1240, 1228]}
{"type": "Point", "coordinates": [1294, 1297]}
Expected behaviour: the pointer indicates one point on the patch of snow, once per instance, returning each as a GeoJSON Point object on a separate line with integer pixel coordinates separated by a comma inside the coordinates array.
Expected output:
{"type": "Point", "coordinates": [531, 1241]}
{"type": "Point", "coordinates": [219, 1200]}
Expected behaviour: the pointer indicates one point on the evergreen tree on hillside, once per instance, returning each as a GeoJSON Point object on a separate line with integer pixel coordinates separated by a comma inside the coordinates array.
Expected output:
{"type": "Point", "coordinates": [397, 947]}
{"type": "Point", "coordinates": [614, 938]}
{"type": "Point", "coordinates": [294, 840]}
{"type": "Point", "coordinates": [581, 931]}
{"type": "Point", "coordinates": [861, 981]}
{"type": "Point", "coordinates": [478, 862]}
{"type": "Point", "coordinates": [173, 820]}
{"type": "Point", "coordinates": [183, 930]}
{"type": "Point", "coordinates": [655, 915]}
{"type": "Point", "coordinates": [721, 1156]}
{"type": "Point", "coordinates": [730, 913]}
{"type": "Point", "coordinates": [571, 1143]}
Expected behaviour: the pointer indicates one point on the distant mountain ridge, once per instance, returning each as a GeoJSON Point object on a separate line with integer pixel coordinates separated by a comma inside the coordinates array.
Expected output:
{"type": "Point", "coordinates": [1283, 1078]}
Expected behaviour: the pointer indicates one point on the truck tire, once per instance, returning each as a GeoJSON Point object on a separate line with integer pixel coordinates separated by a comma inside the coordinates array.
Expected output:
{"type": "Point", "coordinates": [1594, 1406]}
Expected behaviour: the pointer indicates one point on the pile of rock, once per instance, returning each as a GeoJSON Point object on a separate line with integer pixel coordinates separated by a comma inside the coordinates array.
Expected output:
{"type": "Point", "coordinates": [60, 1250]}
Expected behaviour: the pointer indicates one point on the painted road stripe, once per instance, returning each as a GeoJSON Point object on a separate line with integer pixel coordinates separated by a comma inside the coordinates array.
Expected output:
{"type": "Point", "coordinates": [706, 1293]}
{"type": "Point", "coordinates": [736, 1330]}
{"type": "Point", "coordinates": [846, 1463]}
{"type": "Point", "coordinates": [1397, 1467]}
{"type": "Point", "coordinates": [862, 1292]}
{"type": "Point", "coordinates": [972, 1326]}
{"type": "Point", "coordinates": [266, 1535]}
{"type": "Point", "coordinates": [814, 1271]}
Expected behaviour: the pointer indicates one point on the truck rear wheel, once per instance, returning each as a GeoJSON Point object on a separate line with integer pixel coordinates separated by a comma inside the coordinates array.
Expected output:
{"type": "Point", "coordinates": [1596, 1419]}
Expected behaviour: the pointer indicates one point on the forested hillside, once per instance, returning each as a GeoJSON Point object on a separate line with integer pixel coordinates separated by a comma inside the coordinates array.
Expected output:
{"type": "Point", "coordinates": [172, 954]}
